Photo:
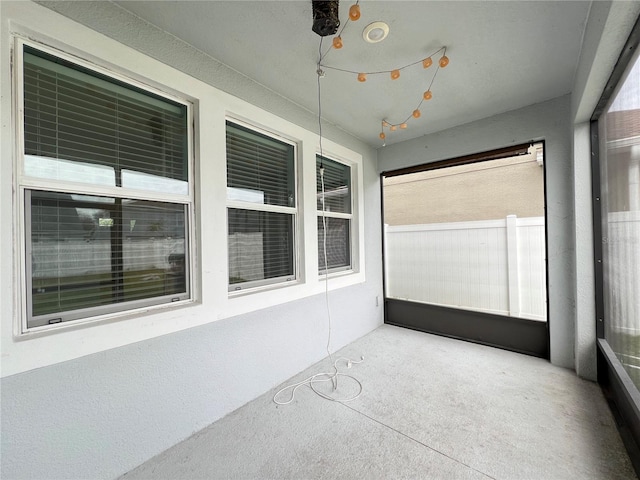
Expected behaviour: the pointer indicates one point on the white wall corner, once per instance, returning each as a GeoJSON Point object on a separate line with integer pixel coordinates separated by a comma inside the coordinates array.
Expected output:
{"type": "Point", "coordinates": [608, 26]}
{"type": "Point", "coordinates": [585, 327]}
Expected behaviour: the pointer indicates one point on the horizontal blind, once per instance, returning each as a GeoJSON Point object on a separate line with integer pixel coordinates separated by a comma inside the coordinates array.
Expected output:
{"type": "Point", "coordinates": [338, 243]}
{"type": "Point", "coordinates": [337, 185]}
{"type": "Point", "coordinates": [260, 169]}
{"type": "Point", "coordinates": [75, 114]}
{"type": "Point", "coordinates": [260, 245]}
{"type": "Point", "coordinates": [89, 252]}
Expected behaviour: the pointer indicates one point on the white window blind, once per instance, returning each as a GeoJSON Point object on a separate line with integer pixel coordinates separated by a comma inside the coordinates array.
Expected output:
{"type": "Point", "coordinates": [262, 208]}
{"type": "Point", "coordinates": [99, 127]}
{"type": "Point", "coordinates": [90, 254]}
{"type": "Point", "coordinates": [334, 215]}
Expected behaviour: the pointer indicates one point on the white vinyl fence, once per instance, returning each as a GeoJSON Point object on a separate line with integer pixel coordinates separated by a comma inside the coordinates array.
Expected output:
{"type": "Point", "coordinates": [495, 266]}
{"type": "Point", "coordinates": [622, 273]}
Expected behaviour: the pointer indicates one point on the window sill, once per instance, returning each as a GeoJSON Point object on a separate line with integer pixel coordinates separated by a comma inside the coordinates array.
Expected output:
{"type": "Point", "coordinates": [40, 331]}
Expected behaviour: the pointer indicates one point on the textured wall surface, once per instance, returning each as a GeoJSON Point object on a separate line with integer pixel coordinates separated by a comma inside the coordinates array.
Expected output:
{"type": "Point", "coordinates": [101, 415]}
{"type": "Point", "coordinates": [585, 336]}
{"type": "Point", "coordinates": [481, 191]}
{"type": "Point", "coordinates": [548, 121]}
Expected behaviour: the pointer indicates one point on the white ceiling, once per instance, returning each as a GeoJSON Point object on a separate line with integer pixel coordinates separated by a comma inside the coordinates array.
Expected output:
{"type": "Point", "coordinates": [503, 55]}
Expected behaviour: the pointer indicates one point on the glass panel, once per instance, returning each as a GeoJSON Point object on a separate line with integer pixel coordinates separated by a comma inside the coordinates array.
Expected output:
{"type": "Point", "coordinates": [89, 251]}
{"type": "Point", "coordinates": [83, 126]}
{"type": "Point", "coordinates": [337, 186]}
{"type": "Point", "coordinates": [260, 245]}
{"type": "Point", "coordinates": [337, 241]}
{"type": "Point", "coordinates": [260, 169]}
{"type": "Point", "coordinates": [620, 187]}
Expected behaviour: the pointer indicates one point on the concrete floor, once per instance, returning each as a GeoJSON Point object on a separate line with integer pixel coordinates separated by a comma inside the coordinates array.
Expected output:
{"type": "Point", "coordinates": [431, 407]}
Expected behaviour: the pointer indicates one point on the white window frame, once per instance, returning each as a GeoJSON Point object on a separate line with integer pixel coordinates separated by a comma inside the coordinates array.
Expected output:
{"type": "Point", "coordinates": [25, 183]}
{"type": "Point", "coordinates": [276, 282]}
{"type": "Point", "coordinates": [323, 272]}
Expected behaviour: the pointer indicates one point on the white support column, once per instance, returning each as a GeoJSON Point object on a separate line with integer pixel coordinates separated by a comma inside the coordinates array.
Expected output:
{"type": "Point", "coordinates": [512, 266]}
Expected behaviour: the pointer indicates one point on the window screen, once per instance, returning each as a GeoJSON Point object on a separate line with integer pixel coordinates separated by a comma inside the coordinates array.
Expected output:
{"type": "Point", "coordinates": [90, 254]}
{"type": "Point", "coordinates": [333, 189]}
{"type": "Point", "coordinates": [262, 208]}
{"type": "Point", "coordinates": [619, 135]}
{"type": "Point", "coordinates": [80, 126]}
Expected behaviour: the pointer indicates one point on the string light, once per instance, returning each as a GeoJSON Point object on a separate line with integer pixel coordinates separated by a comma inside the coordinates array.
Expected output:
{"type": "Point", "coordinates": [354, 14]}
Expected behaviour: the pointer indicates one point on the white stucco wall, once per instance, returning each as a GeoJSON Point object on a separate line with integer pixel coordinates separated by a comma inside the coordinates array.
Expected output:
{"type": "Point", "coordinates": [94, 402]}
{"type": "Point", "coordinates": [548, 121]}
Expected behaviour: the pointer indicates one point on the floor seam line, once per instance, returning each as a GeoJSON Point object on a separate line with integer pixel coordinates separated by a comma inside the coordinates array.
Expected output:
{"type": "Point", "coordinates": [416, 440]}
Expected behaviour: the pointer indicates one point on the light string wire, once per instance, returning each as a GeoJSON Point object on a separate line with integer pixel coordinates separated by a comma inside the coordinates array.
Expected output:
{"type": "Point", "coordinates": [422, 100]}
{"type": "Point", "coordinates": [435, 73]}
{"type": "Point", "coordinates": [320, 65]}
{"type": "Point", "coordinates": [324, 376]}
{"type": "Point", "coordinates": [322, 55]}
{"type": "Point", "coordinates": [355, 72]}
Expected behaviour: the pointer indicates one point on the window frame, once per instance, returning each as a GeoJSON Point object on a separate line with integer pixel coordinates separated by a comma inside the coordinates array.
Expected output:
{"type": "Point", "coordinates": [24, 184]}
{"type": "Point", "coordinates": [615, 380]}
{"type": "Point", "coordinates": [250, 286]}
{"type": "Point", "coordinates": [320, 214]}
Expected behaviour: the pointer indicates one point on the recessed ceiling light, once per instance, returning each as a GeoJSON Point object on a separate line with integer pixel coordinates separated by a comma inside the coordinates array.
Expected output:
{"type": "Point", "coordinates": [375, 32]}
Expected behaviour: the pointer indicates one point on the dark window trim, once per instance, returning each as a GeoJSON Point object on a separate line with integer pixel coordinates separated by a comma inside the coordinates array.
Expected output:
{"type": "Point", "coordinates": [505, 152]}
{"type": "Point", "coordinates": [621, 393]}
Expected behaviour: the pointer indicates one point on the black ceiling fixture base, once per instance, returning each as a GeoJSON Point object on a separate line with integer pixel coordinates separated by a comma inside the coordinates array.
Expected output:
{"type": "Point", "coordinates": [325, 17]}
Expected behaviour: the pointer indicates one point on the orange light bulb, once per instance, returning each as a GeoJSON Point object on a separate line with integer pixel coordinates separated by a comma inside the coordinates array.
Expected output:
{"type": "Point", "coordinates": [444, 61]}
{"type": "Point", "coordinates": [416, 113]}
{"type": "Point", "coordinates": [354, 12]}
{"type": "Point", "coordinates": [362, 77]}
{"type": "Point", "coordinates": [337, 42]}
{"type": "Point", "coordinates": [393, 128]}
{"type": "Point", "coordinates": [427, 95]}
{"type": "Point", "coordinates": [427, 62]}
{"type": "Point", "coordinates": [382, 136]}
{"type": "Point", "coordinates": [403, 125]}
{"type": "Point", "coordinates": [395, 74]}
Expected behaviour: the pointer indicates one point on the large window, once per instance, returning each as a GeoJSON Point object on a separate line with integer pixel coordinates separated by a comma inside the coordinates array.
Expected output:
{"type": "Point", "coordinates": [261, 201]}
{"type": "Point", "coordinates": [333, 190]}
{"type": "Point", "coordinates": [619, 139]}
{"type": "Point", "coordinates": [107, 197]}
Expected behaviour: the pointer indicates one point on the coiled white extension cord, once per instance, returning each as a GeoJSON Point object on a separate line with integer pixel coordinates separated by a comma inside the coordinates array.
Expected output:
{"type": "Point", "coordinates": [325, 376]}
